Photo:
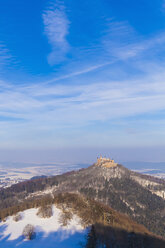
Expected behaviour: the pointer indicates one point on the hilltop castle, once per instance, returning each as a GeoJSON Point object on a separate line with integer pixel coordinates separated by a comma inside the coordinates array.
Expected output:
{"type": "Point", "coordinates": [105, 162]}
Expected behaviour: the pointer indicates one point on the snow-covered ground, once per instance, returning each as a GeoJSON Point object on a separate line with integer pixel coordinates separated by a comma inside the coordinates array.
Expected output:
{"type": "Point", "coordinates": [152, 172]}
{"type": "Point", "coordinates": [156, 169]}
{"type": "Point", "coordinates": [9, 176]}
{"type": "Point", "coordinates": [50, 233]}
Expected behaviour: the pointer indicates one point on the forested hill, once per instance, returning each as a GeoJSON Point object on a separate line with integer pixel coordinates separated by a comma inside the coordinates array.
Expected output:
{"type": "Point", "coordinates": [139, 196]}
{"type": "Point", "coordinates": [106, 227]}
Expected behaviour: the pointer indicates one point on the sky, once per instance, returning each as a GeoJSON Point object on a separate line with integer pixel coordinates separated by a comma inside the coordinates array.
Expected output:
{"type": "Point", "coordinates": [80, 78]}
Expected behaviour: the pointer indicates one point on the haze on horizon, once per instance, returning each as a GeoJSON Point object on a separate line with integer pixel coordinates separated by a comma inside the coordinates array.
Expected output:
{"type": "Point", "coordinates": [80, 78]}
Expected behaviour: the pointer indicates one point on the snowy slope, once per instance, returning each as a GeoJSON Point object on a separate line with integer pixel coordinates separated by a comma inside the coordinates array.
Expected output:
{"type": "Point", "coordinates": [49, 231]}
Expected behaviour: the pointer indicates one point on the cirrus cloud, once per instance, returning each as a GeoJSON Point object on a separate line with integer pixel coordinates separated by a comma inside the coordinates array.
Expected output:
{"type": "Point", "coordinates": [56, 25]}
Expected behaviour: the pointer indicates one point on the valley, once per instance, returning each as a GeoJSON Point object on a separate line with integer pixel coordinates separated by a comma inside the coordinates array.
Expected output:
{"type": "Point", "coordinates": [12, 175]}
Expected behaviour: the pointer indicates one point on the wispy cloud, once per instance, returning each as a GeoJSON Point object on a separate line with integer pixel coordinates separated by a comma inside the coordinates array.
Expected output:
{"type": "Point", "coordinates": [55, 112]}
{"type": "Point", "coordinates": [122, 42]}
{"type": "Point", "coordinates": [118, 36]}
{"type": "Point", "coordinates": [84, 103]}
{"type": "Point", "coordinates": [56, 26]}
{"type": "Point", "coordinates": [49, 111]}
{"type": "Point", "coordinates": [5, 56]}
{"type": "Point", "coordinates": [80, 72]}
{"type": "Point", "coordinates": [100, 101]}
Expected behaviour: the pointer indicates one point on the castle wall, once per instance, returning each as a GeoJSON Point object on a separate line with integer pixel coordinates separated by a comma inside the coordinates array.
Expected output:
{"type": "Point", "coordinates": [106, 162]}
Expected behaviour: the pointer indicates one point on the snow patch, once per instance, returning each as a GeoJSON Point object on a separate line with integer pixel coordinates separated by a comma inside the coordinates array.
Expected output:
{"type": "Point", "coordinates": [11, 230]}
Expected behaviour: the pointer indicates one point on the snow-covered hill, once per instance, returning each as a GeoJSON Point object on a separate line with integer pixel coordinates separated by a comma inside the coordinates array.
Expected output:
{"type": "Point", "coordinates": [49, 232]}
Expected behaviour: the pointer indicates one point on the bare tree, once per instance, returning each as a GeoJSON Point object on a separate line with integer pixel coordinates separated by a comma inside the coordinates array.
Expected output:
{"type": "Point", "coordinates": [17, 217]}
{"type": "Point", "coordinates": [45, 211]}
{"type": "Point", "coordinates": [28, 232]}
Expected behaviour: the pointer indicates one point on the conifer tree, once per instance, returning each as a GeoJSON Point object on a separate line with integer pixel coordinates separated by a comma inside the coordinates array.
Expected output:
{"type": "Point", "coordinates": [91, 238]}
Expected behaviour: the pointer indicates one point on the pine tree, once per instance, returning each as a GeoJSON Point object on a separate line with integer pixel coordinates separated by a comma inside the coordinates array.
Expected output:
{"type": "Point", "coordinates": [91, 238]}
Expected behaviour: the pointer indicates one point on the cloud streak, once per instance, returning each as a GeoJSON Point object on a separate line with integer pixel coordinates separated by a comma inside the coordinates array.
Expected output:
{"type": "Point", "coordinates": [84, 103]}
{"type": "Point", "coordinates": [122, 42]}
{"type": "Point", "coordinates": [60, 113]}
{"type": "Point", "coordinates": [87, 99]}
{"type": "Point", "coordinates": [56, 26]}
{"type": "Point", "coordinates": [78, 73]}
{"type": "Point", "coordinates": [5, 56]}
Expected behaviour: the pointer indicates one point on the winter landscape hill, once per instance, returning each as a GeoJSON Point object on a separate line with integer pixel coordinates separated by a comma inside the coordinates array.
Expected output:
{"type": "Point", "coordinates": [141, 197]}
{"type": "Point", "coordinates": [71, 220]}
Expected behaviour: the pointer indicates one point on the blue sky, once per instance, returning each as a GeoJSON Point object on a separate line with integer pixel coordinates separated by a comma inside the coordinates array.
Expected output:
{"type": "Point", "coordinates": [83, 74]}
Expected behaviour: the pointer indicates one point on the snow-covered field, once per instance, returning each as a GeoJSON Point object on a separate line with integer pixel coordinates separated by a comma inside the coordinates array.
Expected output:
{"type": "Point", "coordinates": [50, 233]}
{"type": "Point", "coordinates": [156, 169]}
{"type": "Point", "coordinates": [152, 172]}
{"type": "Point", "coordinates": [9, 176]}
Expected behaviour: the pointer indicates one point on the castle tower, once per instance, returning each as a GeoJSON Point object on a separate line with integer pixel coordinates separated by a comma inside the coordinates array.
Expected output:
{"type": "Point", "coordinates": [105, 162]}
